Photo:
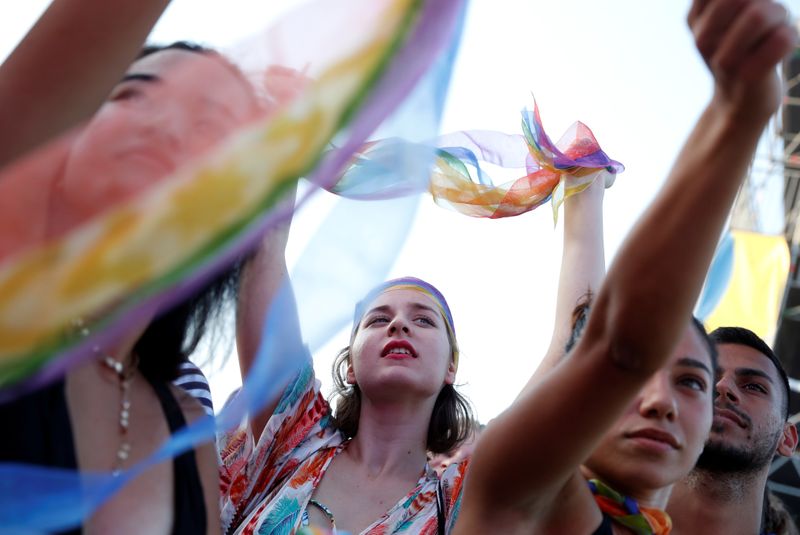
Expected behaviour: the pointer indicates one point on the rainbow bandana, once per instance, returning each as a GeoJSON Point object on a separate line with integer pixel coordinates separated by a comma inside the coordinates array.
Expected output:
{"type": "Point", "coordinates": [624, 510]}
{"type": "Point", "coordinates": [409, 283]}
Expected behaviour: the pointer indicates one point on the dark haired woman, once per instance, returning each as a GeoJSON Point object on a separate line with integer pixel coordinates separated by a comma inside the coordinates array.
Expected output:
{"type": "Point", "coordinates": [117, 409]}
{"type": "Point", "coordinates": [363, 467]}
{"type": "Point", "coordinates": [397, 403]}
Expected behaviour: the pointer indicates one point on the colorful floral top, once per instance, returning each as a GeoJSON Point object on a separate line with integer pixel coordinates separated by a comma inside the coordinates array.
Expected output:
{"type": "Point", "coordinates": [267, 487]}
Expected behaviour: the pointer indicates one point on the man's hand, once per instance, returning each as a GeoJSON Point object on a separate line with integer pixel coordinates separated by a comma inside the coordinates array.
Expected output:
{"type": "Point", "coordinates": [742, 41]}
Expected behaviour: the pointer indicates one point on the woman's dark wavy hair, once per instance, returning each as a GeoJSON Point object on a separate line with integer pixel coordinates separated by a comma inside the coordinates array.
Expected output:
{"type": "Point", "coordinates": [452, 420]}
{"type": "Point", "coordinates": [188, 46]}
{"type": "Point", "coordinates": [174, 334]}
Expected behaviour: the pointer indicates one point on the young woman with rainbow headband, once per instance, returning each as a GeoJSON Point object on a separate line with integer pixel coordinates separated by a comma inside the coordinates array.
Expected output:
{"type": "Point", "coordinates": [397, 402]}
{"type": "Point", "coordinates": [363, 467]}
{"type": "Point", "coordinates": [610, 428]}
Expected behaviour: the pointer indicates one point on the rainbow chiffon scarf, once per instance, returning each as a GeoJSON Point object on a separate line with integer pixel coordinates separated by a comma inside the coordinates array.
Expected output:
{"type": "Point", "coordinates": [625, 511]}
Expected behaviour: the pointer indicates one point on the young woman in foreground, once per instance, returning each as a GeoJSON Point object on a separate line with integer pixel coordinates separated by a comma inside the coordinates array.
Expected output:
{"type": "Point", "coordinates": [363, 468]}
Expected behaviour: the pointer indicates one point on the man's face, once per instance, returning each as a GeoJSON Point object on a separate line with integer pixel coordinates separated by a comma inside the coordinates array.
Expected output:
{"type": "Point", "coordinates": [749, 426]}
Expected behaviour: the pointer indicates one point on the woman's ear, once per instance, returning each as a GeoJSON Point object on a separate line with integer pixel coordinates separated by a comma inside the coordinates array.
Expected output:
{"type": "Point", "coordinates": [351, 374]}
{"type": "Point", "coordinates": [450, 376]}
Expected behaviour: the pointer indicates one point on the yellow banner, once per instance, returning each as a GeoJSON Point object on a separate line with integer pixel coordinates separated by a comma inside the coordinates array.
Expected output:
{"type": "Point", "coordinates": [755, 292]}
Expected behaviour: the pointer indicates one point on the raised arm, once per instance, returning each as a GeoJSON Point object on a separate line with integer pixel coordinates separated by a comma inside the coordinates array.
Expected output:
{"type": "Point", "coordinates": [263, 276]}
{"type": "Point", "coordinates": [645, 302]}
{"type": "Point", "coordinates": [583, 266]}
{"type": "Point", "coordinates": [64, 68]}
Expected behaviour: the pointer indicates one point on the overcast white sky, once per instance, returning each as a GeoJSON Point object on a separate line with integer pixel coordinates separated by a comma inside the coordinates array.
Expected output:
{"type": "Point", "coordinates": [626, 68]}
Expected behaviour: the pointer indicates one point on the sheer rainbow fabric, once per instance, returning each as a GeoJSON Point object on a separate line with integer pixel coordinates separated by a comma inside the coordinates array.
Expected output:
{"type": "Point", "coordinates": [152, 247]}
{"type": "Point", "coordinates": [143, 245]}
{"type": "Point", "coordinates": [553, 171]}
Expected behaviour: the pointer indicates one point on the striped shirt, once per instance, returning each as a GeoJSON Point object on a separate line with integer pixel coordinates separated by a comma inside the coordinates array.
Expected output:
{"type": "Point", "coordinates": [191, 379]}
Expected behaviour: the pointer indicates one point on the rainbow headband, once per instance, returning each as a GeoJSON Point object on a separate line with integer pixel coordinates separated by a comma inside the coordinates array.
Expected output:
{"type": "Point", "coordinates": [409, 283]}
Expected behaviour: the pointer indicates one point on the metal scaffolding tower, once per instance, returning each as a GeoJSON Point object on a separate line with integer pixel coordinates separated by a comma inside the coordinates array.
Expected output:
{"type": "Point", "coordinates": [785, 477]}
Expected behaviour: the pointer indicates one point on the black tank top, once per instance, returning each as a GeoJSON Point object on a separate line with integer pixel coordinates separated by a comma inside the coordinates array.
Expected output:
{"type": "Point", "coordinates": [41, 433]}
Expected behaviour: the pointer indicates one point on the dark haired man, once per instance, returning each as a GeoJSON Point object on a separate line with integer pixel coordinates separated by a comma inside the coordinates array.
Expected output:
{"type": "Point", "coordinates": [725, 493]}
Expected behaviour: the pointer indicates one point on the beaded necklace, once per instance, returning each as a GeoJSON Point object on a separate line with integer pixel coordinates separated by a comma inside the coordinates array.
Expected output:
{"type": "Point", "coordinates": [125, 378]}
